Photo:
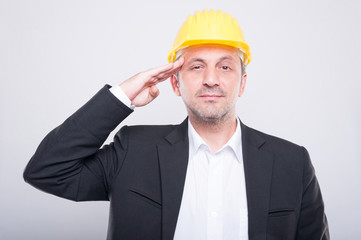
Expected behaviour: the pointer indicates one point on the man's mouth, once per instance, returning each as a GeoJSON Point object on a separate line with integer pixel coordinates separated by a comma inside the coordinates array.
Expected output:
{"type": "Point", "coordinates": [210, 96]}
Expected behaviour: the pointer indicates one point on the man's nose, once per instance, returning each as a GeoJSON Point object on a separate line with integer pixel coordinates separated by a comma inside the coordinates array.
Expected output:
{"type": "Point", "coordinates": [210, 78]}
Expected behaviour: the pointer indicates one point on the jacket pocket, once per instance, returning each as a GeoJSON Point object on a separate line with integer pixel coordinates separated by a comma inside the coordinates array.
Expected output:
{"type": "Point", "coordinates": [282, 224]}
{"type": "Point", "coordinates": [280, 212]}
{"type": "Point", "coordinates": [145, 197]}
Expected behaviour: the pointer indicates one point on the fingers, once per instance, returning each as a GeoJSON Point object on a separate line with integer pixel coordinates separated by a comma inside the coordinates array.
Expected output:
{"type": "Point", "coordinates": [166, 68]}
{"type": "Point", "coordinates": [141, 88]}
{"type": "Point", "coordinates": [179, 63]}
{"type": "Point", "coordinates": [161, 69]}
{"type": "Point", "coordinates": [162, 73]}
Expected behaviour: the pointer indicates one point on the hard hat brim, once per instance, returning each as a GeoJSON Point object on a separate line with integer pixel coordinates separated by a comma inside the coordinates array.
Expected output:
{"type": "Point", "coordinates": [242, 46]}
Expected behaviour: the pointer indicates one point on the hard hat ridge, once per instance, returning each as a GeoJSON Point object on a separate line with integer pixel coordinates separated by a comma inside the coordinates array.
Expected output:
{"type": "Point", "coordinates": [210, 27]}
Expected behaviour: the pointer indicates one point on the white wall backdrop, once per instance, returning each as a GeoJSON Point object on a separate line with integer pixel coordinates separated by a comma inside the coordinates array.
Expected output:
{"type": "Point", "coordinates": [303, 84]}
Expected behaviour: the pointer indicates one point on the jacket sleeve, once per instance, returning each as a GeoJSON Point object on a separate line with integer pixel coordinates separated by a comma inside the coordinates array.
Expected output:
{"type": "Point", "coordinates": [69, 162]}
{"type": "Point", "coordinates": [312, 224]}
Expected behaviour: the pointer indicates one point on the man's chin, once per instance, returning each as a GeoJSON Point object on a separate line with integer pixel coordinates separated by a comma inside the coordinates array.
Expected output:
{"type": "Point", "coordinates": [209, 116]}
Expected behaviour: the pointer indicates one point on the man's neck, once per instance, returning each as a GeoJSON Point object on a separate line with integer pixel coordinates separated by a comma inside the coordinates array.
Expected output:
{"type": "Point", "coordinates": [215, 133]}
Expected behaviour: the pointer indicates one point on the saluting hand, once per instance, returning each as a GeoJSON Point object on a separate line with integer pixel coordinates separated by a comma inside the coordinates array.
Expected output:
{"type": "Point", "coordinates": [141, 89]}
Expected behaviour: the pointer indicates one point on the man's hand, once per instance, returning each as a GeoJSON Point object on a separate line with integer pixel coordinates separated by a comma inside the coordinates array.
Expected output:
{"type": "Point", "coordinates": [141, 89]}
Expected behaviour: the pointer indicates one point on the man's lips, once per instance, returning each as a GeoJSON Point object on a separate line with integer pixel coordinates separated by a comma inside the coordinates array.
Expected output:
{"type": "Point", "coordinates": [210, 96]}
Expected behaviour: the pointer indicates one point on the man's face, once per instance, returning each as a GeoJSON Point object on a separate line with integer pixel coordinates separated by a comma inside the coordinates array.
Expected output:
{"type": "Point", "coordinates": [210, 81]}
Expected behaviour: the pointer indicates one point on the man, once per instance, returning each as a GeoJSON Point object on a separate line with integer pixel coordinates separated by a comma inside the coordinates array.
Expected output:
{"type": "Point", "coordinates": [211, 177]}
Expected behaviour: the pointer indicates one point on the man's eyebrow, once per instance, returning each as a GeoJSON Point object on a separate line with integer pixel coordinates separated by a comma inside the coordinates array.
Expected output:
{"type": "Point", "coordinates": [196, 60]}
{"type": "Point", "coordinates": [227, 57]}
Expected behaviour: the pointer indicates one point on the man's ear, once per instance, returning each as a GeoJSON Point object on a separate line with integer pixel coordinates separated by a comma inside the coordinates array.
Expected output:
{"type": "Point", "coordinates": [175, 85]}
{"type": "Point", "coordinates": [243, 84]}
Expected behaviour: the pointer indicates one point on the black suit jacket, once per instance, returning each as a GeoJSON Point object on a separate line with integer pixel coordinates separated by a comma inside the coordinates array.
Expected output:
{"type": "Point", "coordinates": [142, 172]}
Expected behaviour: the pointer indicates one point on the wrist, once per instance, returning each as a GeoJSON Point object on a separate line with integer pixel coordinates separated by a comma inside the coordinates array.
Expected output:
{"type": "Point", "coordinates": [119, 93]}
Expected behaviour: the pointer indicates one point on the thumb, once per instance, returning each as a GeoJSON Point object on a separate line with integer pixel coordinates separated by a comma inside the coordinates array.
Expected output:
{"type": "Point", "coordinates": [153, 91]}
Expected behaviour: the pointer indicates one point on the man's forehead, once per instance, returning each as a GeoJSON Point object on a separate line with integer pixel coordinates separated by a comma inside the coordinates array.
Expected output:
{"type": "Point", "coordinates": [221, 52]}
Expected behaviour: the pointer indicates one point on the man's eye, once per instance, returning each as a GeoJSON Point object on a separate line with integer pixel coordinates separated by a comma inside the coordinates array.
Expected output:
{"type": "Point", "coordinates": [196, 67]}
{"type": "Point", "coordinates": [226, 68]}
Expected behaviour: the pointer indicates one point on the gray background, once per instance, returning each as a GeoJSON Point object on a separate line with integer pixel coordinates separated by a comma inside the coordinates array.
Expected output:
{"type": "Point", "coordinates": [303, 85]}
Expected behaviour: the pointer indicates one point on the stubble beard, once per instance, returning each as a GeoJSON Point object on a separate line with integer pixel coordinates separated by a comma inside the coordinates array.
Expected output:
{"type": "Point", "coordinates": [210, 115]}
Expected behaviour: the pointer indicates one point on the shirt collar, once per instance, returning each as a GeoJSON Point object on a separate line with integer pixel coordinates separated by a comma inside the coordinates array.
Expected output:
{"type": "Point", "coordinates": [235, 142]}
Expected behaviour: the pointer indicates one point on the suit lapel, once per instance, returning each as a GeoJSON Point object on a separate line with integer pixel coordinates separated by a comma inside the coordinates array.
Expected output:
{"type": "Point", "coordinates": [173, 159]}
{"type": "Point", "coordinates": [258, 166]}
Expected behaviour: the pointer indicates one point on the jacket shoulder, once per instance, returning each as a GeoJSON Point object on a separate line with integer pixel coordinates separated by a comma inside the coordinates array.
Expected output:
{"type": "Point", "coordinates": [275, 144]}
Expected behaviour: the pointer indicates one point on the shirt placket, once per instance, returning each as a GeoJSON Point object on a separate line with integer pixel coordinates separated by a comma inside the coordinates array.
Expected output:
{"type": "Point", "coordinates": [215, 197]}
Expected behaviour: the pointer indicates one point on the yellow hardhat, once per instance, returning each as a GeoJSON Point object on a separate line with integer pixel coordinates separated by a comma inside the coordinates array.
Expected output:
{"type": "Point", "coordinates": [210, 27]}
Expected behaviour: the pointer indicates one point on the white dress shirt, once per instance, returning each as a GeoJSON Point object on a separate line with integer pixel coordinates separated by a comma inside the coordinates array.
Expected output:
{"type": "Point", "coordinates": [214, 202]}
{"type": "Point", "coordinates": [118, 92]}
